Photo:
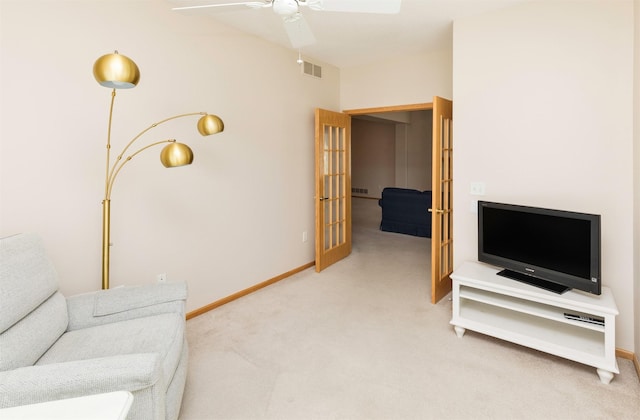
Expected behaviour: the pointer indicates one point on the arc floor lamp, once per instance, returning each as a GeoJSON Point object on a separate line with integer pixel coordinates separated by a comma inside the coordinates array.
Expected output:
{"type": "Point", "coordinates": [117, 71]}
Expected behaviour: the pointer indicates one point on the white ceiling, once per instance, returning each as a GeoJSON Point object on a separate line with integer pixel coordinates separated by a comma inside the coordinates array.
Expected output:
{"type": "Point", "coordinates": [353, 39]}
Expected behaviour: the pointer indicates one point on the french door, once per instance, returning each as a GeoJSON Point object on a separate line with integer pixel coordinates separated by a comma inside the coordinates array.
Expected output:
{"type": "Point", "coordinates": [442, 199]}
{"type": "Point", "coordinates": [333, 187]}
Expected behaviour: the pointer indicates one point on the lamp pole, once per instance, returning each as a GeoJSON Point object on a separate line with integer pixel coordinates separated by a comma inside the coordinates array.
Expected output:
{"type": "Point", "coordinates": [119, 72]}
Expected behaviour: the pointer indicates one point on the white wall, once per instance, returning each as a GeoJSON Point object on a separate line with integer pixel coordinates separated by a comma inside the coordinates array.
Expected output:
{"type": "Point", "coordinates": [408, 80]}
{"type": "Point", "coordinates": [229, 221]}
{"type": "Point", "coordinates": [413, 151]}
{"type": "Point", "coordinates": [543, 114]}
{"type": "Point", "coordinates": [372, 156]}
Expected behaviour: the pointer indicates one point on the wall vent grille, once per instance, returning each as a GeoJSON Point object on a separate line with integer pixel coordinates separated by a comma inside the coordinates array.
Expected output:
{"type": "Point", "coordinates": [311, 69]}
{"type": "Point", "coordinates": [360, 190]}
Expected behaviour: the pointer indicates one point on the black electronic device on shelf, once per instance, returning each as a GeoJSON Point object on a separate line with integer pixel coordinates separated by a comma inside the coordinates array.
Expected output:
{"type": "Point", "coordinates": [553, 249]}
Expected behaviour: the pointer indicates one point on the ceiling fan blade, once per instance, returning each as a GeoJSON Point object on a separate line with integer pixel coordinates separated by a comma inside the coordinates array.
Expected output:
{"type": "Point", "coordinates": [252, 4]}
{"type": "Point", "coordinates": [298, 31]}
{"type": "Point", "coordinates": [355, 6]}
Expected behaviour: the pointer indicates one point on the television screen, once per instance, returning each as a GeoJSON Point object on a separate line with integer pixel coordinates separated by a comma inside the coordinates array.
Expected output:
{"type": "Point", "coordinates": [553, 249]}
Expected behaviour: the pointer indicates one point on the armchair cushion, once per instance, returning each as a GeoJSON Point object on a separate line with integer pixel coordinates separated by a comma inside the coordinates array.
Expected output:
{"type": "Point", "coordinates": [26, 341]}
{"type": "Point", "coordinates": [159, 334]}
{"type": "Point", "coordinates": [123, 303]}
{"type": "Point", "coordinates": [28, 277]}
{"type": "Point", "coordinates": [122, 299]}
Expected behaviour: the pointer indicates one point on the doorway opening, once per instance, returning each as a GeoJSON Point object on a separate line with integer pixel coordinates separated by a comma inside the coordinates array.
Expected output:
{"type": "Point", "coordinates": [333, 174]}
{"type": "Point", "coordinates": [391, 146]}
{"type": "Point", "coordinates": [441, 188]}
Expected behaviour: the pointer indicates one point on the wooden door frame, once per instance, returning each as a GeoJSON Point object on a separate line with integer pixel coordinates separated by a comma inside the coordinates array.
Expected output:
{"type": "Point", "coordinates": [393, 108]}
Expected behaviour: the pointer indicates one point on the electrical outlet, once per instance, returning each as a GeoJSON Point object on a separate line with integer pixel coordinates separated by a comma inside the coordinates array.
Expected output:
{"type": "Point", "coordinates": [162, 278]}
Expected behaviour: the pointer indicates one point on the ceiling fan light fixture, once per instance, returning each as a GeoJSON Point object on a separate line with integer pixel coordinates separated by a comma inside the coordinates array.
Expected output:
{"type": "Point", "coordinates": [285, 8]}
{"type": "Point", "coordinates": [295, 25]}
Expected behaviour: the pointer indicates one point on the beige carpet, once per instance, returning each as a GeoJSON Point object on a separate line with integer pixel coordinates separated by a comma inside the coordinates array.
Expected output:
{"type": "Point", "coordinates": [361, 341]}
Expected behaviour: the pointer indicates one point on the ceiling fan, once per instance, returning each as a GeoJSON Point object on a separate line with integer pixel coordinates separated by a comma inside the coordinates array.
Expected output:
{"type": "Point", "coordinates": [295, 25]}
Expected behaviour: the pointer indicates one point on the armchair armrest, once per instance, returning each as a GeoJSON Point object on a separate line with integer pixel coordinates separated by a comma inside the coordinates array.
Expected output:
{"type": "Point", "coordinates": [124, 303]}
{"type": "Point", "coordinates": [41, 383]}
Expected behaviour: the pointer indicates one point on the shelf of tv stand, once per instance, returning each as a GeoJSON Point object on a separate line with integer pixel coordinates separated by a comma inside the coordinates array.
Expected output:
{"type": "Point", "coordinates": [489, 304]}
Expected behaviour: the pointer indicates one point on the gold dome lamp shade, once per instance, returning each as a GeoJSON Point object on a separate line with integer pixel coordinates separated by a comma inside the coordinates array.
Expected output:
{"type": "Point", "coordinates": [210, 124]}
{"type": "Point", "coordinates": [116, 71]}
{"type": "Point", "coordinates": [176, 154]}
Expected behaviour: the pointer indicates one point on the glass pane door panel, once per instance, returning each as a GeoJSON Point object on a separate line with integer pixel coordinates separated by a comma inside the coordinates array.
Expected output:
{"type": "Point", "coordinates": [335, 186]}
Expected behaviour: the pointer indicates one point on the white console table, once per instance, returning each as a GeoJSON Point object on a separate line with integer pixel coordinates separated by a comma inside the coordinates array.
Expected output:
{"type": "Point", "coordinates": [490, 304]}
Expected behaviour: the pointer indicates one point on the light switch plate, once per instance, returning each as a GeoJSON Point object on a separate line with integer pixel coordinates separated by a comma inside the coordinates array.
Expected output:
{"type": "Point", "coordinates": [477, 188]}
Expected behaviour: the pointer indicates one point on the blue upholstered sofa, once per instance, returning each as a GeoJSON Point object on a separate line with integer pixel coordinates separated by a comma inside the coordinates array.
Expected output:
{"type": "Point", "coordinates": [406, 211]}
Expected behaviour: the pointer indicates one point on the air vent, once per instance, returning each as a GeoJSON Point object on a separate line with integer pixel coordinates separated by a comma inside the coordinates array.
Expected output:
{"type": "Point", "coordinates": [312, 69]}
{"type": "Point", "coordinates": [360, 190]}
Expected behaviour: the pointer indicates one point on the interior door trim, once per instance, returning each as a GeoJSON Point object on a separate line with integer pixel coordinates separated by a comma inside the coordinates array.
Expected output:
{"type": "Point", "coordinates": [393, 108]}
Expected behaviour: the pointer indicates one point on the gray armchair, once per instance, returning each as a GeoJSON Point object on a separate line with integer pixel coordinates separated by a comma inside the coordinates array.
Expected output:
{"type": "Point", "coordinates": [52, 347]}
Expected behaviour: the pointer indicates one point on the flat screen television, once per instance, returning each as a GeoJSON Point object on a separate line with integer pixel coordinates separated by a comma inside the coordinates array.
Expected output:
{"type": "Point", "coordinates": [556, 250]}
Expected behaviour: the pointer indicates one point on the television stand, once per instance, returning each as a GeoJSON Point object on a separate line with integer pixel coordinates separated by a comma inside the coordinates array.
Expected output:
{"type": "Point", "coordinates": [534, 281]}
{"type": "Point", "coordinates": [532, 317]}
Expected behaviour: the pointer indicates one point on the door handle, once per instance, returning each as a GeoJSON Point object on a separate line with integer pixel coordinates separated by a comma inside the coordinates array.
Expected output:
{"type": "Point", "coordinates": [324, 198]}
{"type": "Point", "coordinates": [438, 211]}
